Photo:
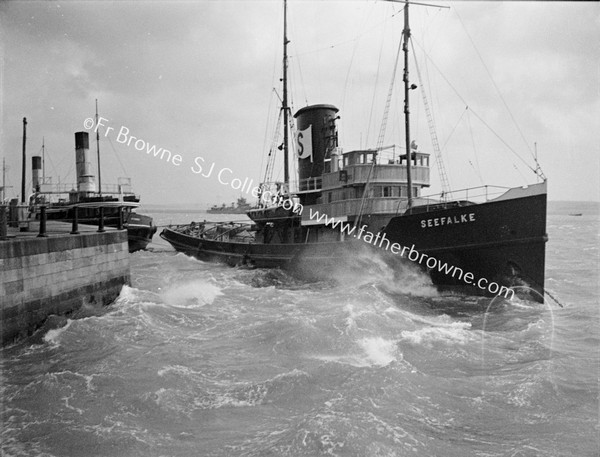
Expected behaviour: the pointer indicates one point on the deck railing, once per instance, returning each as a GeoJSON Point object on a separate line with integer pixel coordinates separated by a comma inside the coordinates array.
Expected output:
{"type": "Point", "coordinates": [478, 194]}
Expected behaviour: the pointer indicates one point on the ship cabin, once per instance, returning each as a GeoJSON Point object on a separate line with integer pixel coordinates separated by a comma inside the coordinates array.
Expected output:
{"type": "Point", "coordinates": [339, 192]}
{"type": "Point", "coordinates": [331, 184]}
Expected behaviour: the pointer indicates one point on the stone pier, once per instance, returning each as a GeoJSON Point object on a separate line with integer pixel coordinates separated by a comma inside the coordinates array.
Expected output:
{"type": "Point", "coordinates": [58, 274]}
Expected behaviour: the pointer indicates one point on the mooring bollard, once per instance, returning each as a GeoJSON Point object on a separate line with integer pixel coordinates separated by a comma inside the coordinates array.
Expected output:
{"type": "Point", "coordinates": [101, 221]}
{"type": "Point", "coordinates": [3, 223]}
{"type": "Point", "coordinates": [75, 226]}
{"type": "Point", "coordinates": [120, 223]}
{"type": "Point", "coordinates": [42, 222]}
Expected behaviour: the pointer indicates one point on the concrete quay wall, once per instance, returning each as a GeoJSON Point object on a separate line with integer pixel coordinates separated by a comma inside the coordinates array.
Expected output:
{"type": "Point", "coordinates": [58, 275]}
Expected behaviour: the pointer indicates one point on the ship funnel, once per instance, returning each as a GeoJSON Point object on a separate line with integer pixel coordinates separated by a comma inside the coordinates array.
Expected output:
{"type": "Point", "coordinates": [316, 138]}
{"type": "Point", "coordinates": [85, 178]}
{"type": "Point", "coordinates": [36, 172]}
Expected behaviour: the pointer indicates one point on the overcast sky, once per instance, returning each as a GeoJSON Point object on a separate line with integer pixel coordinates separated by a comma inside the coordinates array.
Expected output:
{"type": "Point", "coordinates": [197, 78]}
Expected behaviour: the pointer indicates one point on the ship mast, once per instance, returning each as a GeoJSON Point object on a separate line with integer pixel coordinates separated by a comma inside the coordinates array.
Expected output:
{"type": "Point", "coordinates": [284, 103]}
{"type": "Point", "coordinates": [43, 161]}
{"type": "Point", "coordinates": [407, 88]}
{"type": "Point", "coordinates": [406, 37]}
{"type": "Point", "coordinates": [23, 172]}
{"type": "Point", "coordinates": [98, 152]}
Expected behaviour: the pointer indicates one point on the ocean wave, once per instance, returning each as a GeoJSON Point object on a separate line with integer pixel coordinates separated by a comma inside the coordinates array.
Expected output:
{"type": "Point", "coordinates": [379, 351]}
{"type": "Point", "coordinates": [451, 333]}
{"type": "Point", "coordinates": [191, 294]}
{"type": "Point", "coordinates": [254, 393]}
{"type": "Point", "coordinates": [369, 352]}
{"type": "Point", "coordinates": [53, 336]}
{"type": "Point", "coordinates": [127, 295]}
{"type": "Point", "coordinates": [202, 392]}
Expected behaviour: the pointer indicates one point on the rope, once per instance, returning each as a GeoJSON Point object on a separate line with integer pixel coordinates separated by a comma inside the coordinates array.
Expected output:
{"type": "Point", "coordinates": [494, 83]}
{"type": "Point", "coordinates": [117, 156]}
{"type": "Point", "coordinates": [475, 113]}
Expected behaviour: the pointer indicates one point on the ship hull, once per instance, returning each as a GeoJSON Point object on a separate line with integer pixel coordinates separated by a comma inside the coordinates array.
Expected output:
{"type": "Point", "coordinates": [500, 243]}
{"type": "Point", "coordinates": [140, 228]}
{"type": "Point", "coordinates": [313, 261]}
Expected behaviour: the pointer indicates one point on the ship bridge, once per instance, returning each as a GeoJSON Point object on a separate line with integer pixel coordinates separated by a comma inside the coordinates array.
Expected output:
{"type": "Point", "coordinates": [346, 175]}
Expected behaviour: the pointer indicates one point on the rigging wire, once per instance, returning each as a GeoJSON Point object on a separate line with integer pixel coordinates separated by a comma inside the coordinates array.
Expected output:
{"type": "Point", "coordinates": [495, 85]}
{"type": "Point", "coordinates": [477, 115]}
{"type": "Point", "coordinates": [117, 155]}
{"type": "Point", "coordinates": [478, 169]}
{"type": "Point", "coordinates": [454, 128]}
{"type": "Point", "coordinates": [267, 129]}
{"type": "Point", "coordinates": [292, 145]}
{"type": "Point", "coordinates": [347, 78]}
{"type": "Point", "coordinates": [381, 137]}
{"type": "Point", "coordinates": [375, 89]}
{"type": "Point", "coordinates": [268, 125]}
{"type": "Point", "coordinates": [352, 40]}
{"type": "Point", "coordinates": [296, 60]}
{"type": "Point", "coordinates": [272, 151]}
{"type": "Point", "coordinates": [445, 184]}
{"type": "Point", "coordinates": [54, 167]}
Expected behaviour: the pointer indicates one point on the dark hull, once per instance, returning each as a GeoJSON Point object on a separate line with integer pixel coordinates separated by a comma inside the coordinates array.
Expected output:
{"type": "Point", "coordinates": [139, 236]}
{"type": "Point", "coordinates": [140, 228]}
{"type": "Point", "coordinates": [311, 261]}
{"type": "Point", "coordinates": [500, 241]}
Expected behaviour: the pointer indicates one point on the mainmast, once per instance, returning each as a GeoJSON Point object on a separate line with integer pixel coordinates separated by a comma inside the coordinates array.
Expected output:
{"type": "Point", "coordinates": [98, 152]}
{"type": "Point", "coordinates": [284, 105]}
{"type": "Point", "coordinates": [407, 88]}
{"type": "Point", "coordinates": [406, 37]}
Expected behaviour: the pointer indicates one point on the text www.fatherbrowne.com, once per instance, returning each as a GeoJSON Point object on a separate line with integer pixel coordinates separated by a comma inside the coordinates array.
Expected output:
{"type": "Point", "coordinates": [380, 240]}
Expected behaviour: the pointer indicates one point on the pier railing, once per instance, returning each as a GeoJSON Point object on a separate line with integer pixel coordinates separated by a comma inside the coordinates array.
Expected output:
{"type": "Point", "coordinates": [26, 219]}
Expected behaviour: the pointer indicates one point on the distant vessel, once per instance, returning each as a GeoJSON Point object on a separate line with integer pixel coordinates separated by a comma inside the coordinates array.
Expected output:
{"type": "Point", "coordinates": [497, 234]}
{"type": "Point", "coordinates": [241, 207]}
{"type": "Point", "coordinates": [118, 202]}
{"type": "Point", "coordinates": [576, 214]}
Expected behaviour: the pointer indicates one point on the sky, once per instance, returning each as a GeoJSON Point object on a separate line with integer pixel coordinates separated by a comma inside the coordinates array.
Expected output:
{"type": "Point", "coordinates": [504, 80]}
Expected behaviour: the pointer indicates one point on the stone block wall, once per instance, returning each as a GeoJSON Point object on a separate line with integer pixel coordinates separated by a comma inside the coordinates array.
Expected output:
{"type": "Point", "coordinates": [57, 275]}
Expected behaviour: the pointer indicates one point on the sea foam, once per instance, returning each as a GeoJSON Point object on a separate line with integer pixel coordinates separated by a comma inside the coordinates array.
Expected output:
{"type": "Point", "coordinates": [191, 294]}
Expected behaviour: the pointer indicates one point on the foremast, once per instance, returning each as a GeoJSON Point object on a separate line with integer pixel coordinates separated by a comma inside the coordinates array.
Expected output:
{"type": "Point", "coordinates": [98, 152]}
{"type": "Point", "coordinates": [284, 104]}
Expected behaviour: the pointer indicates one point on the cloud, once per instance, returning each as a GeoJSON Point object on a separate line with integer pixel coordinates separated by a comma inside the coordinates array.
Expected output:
{"type": "Point", "coordinates": [197, 78]}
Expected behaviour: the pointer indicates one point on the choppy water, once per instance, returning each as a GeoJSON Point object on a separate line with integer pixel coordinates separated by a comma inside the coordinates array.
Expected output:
{"type": "Point", "coordinates": [198, 359]}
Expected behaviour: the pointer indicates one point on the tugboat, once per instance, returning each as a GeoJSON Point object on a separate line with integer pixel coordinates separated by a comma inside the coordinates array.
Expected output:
{"type": "Point", "coordinates": [374, 197]}
{"type": "Point", "coordinates": [117, 203]}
